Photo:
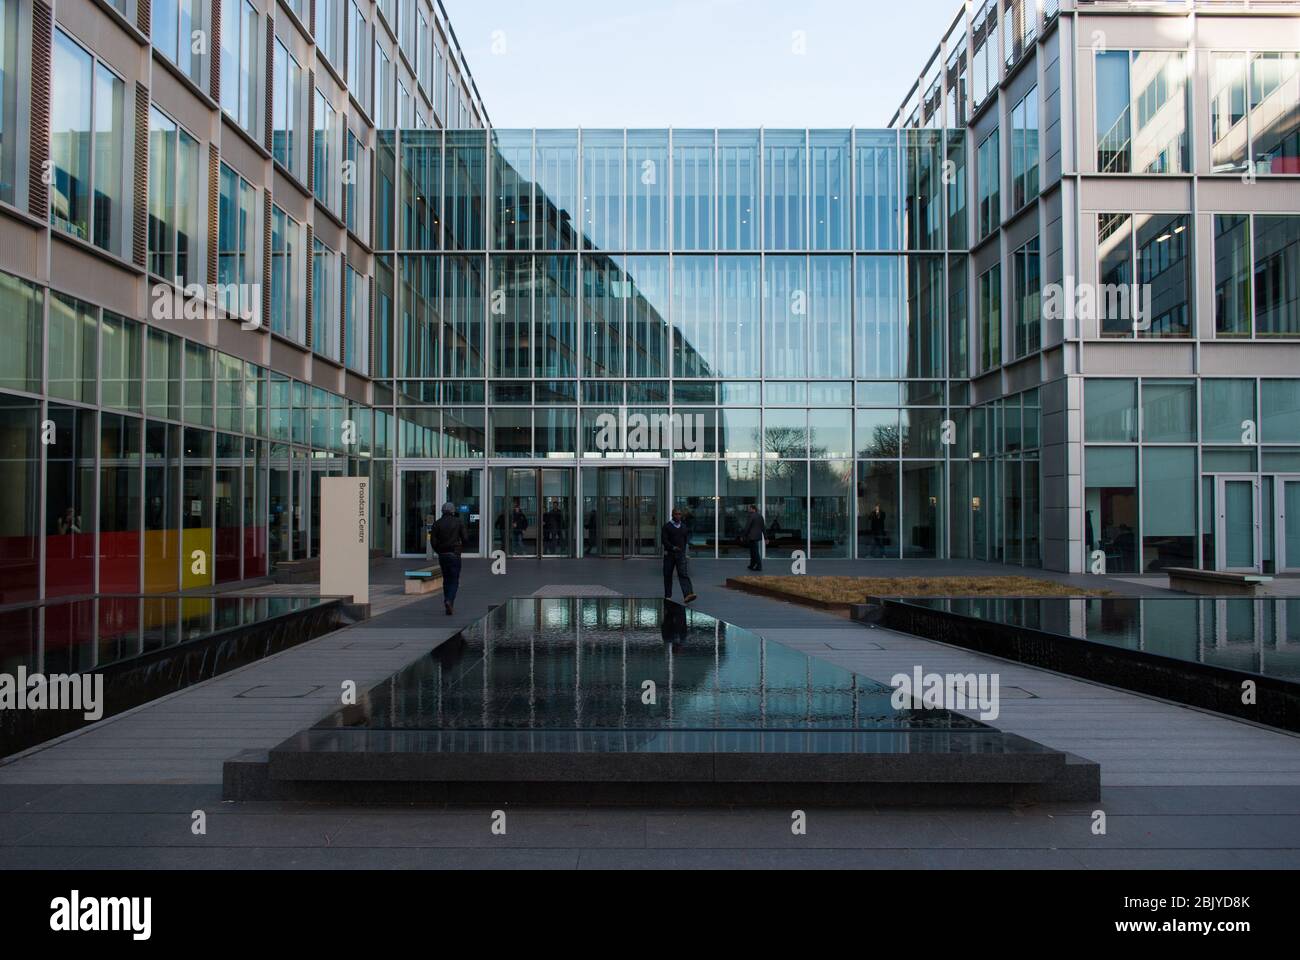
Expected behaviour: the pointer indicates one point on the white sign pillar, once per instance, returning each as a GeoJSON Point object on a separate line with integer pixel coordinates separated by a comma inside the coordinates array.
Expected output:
{"type": "Point", "coordinates": [345, 538]}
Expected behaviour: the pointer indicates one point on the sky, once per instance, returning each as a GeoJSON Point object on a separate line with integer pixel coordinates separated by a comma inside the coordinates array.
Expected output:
{"type": "Point", "coordinates": [696, 63]}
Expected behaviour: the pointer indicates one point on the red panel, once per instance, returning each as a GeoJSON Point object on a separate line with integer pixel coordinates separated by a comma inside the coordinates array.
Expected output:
{"type": "Point", "coordinates": [227, 566]}
{"type": "Point", "coordinates": [19, 569]}
{"type": "Point", "coordinates": [70, 564]}
{"type": "Point", "coordinates": [119, 562]}
{"type": "Point", "coordinates": [254, 552]}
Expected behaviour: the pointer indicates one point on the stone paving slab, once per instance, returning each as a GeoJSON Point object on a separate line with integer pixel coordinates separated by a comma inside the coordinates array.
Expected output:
{"type": "Point", "coordinates": [1181, 788]}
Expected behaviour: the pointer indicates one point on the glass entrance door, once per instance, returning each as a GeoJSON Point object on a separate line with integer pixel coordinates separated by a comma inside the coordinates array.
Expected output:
{"type": "Point", "coordinates": [1237, 523]}
{"type": "Point", "coordinates": [417, 501]}
{"type": "Point", "coordinates": [623, 510]}
{"type": "Point", "coordinates": [421, 492]}
{"type": "Point", "coordinates": [464, 490]}
{"type": "Point", "coordinates": [1287, 524]}
{"type": "Point", "coordinates": [532, 511]}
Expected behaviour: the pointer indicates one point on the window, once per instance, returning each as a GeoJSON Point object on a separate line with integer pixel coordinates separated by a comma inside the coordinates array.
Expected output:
{"type": "Point", "coordinates": [829, 155]}
{"type": "Point", "coordinates": [1255, 113]}
{"type": "Point", "coordinates": [239, 62]}
{"type": "Point", "coordinates": [385, 116]}
{"type": "Point", "coordinates": [1110, 410]}
{"type": "Point", "coordinates": [356, 187]}
{"type": "Point", "coordinates": [693, 176]}
{"type": "Point", "coordinates": [236, 231]}
{"type": "Point", "coordinates": [1229, 133]}
{"type": "Point", "coordinates": [989, 174]}
{"type": "Point", "coordinates": [22, 317]}
{"type": "Point", "coordinates": [1232, 275]}
{"type": "Point", "coordinates": [87, 147]}
{"type": "Point", "coordinates": [406, 28]}
{"type": "Point", "coordinates": [358, 47]}
{"type": "Point", "coordinates": [423, 51]}
{"type": "Point", "coordinates": [1169, 411]}
{"type": "Point", "coordinates": [785, 200]}
{"type": "Point", "coordinates": [1275, 112]}
{"type": "Point", "coordinates": [1018, 29]}
{"type": "Point", "coordinates": [738, 169]}
{"type": "Point", "coordinates": [325, 154]}
{"type": "Point", "coordinates": [288, 111]}
{"type": "Point", "coordinates": [328, 31]}
{"type": "Point", "coordinates": [173, 200]}
{"type": "Point", "coordinates": [179, 30]}
{"type": "Point", "coordinates": [646, 208]}
{"type": "Point", "coordinates": [1026, 299]}
{"type": "Point", "coordinates": [1024, 149]}
{"type": "Point", "coordinates": [1141, 103]}
{"type": "Point", "coordinates": [439, 83]}
{"type": "Point", "coordinates": [990, 319]}
{"type": "Point", "coordinates": [287, 276]}
{"type": "Point", "coordinates": [1145, 275]}
{"type": "Point", "coordinates": [11, 107]}
{"type": "Point", "coordinates": [119, 371]}
{"type": "Point", "coordinates": [958, 218]}
{"type": "Point", "coordinates": [1277, 276]}
{"type": "Point", "coordinates": [878, 191]}
{"type": "Point", "coordinates": [984, 40]}
{"type": "Point", "coordinates": [356, 322]}
{"type": "Point", "coordinates": [325, 301]}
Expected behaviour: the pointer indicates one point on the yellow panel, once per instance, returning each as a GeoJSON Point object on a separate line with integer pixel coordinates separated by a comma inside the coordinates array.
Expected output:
{"type": "Point", "coordinates": [160, 548]}
{"type": "Point", "coordinates": [196, 538]}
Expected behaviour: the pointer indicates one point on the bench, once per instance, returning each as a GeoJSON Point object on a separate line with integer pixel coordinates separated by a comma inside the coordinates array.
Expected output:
{"type": "Point", "coordinates": [1216, 583]}
{"type": "Point", "coordinates": [422, 581]}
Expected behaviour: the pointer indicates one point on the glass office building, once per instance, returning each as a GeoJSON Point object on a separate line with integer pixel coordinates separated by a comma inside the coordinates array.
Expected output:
{"type": "Point", "coordinates": [569, 332]}
{"type": "Point", "coordinates": [782, 311]}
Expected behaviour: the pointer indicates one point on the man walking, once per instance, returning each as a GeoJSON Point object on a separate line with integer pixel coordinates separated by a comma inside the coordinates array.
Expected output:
{"type": "Point", "coordinates": [676, 538]}
{"type": "Point", "coordinates": [449, 537]}
{"type": "Point", "coordinates": [753, 537]}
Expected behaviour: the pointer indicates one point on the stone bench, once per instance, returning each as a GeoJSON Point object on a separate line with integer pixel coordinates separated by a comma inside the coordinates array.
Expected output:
{"type": "Point", "coordinates": [1216, 583]}
{"type": "Point", "coordinates": [422, 581]}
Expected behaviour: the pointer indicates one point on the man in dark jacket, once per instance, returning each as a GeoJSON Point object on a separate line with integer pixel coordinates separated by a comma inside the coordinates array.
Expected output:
{"type": "Point", "coordinates": [676, 538]}
{"type": "Point", "coordinates": [753, 537]}
{"type": "Point", "coordinates": [449, 537]}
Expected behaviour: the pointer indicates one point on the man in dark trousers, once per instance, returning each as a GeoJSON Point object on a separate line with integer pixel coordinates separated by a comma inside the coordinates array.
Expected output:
{"type": "Point", "coordinates": [449, 537]}
{"type": "Point", "coordinates": [676, 538]}
{"type": "Point", "coordinates": [753, 537]}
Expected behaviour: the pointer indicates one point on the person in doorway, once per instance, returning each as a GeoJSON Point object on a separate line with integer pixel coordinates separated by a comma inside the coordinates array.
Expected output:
{"type": "Point", "coordinates": [518, 524]}
{"type": "Point", "coordinates": [755, 525]}
{"type": "Point", "coordinates": [877, 531]}
{"type": "Point", "coordinates": [676, 540]}
{"type": "Point", "coordinates": [448, 538]}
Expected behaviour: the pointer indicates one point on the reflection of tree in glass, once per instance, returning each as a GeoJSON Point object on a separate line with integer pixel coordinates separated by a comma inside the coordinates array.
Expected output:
{"type": "Point", "coordinates": [885, 441]}
{"type": "Point", "coordinates": [787, 443]}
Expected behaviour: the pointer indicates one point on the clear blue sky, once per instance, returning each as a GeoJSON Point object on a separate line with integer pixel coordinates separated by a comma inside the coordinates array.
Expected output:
{"type": "Point", "coordinates": [696, 63]}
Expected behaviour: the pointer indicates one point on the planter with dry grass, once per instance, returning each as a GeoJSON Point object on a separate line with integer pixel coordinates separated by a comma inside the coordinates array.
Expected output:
{"type": "Point", "coordinates": [839, 593]}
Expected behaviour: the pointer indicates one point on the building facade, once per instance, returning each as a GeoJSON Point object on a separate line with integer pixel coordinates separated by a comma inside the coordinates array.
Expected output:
{"type": "Point", "coordinates": [1048, 317]}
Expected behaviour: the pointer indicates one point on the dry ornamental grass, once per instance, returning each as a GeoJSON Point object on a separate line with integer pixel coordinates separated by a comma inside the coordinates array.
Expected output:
{"type": "Point", "coordinates": [856, 589]}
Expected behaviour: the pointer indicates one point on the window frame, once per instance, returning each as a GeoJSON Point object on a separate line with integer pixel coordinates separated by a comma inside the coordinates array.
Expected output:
{"type": "Point", "coordinates": [123, 233]}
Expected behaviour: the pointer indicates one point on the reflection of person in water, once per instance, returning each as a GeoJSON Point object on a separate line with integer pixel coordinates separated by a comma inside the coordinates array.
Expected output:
{"type": "Point", "coordinates": [672, 625]}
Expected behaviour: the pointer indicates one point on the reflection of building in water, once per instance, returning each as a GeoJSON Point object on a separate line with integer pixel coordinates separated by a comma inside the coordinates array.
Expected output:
{"type": "Point", "coordinates": [615, 664]}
